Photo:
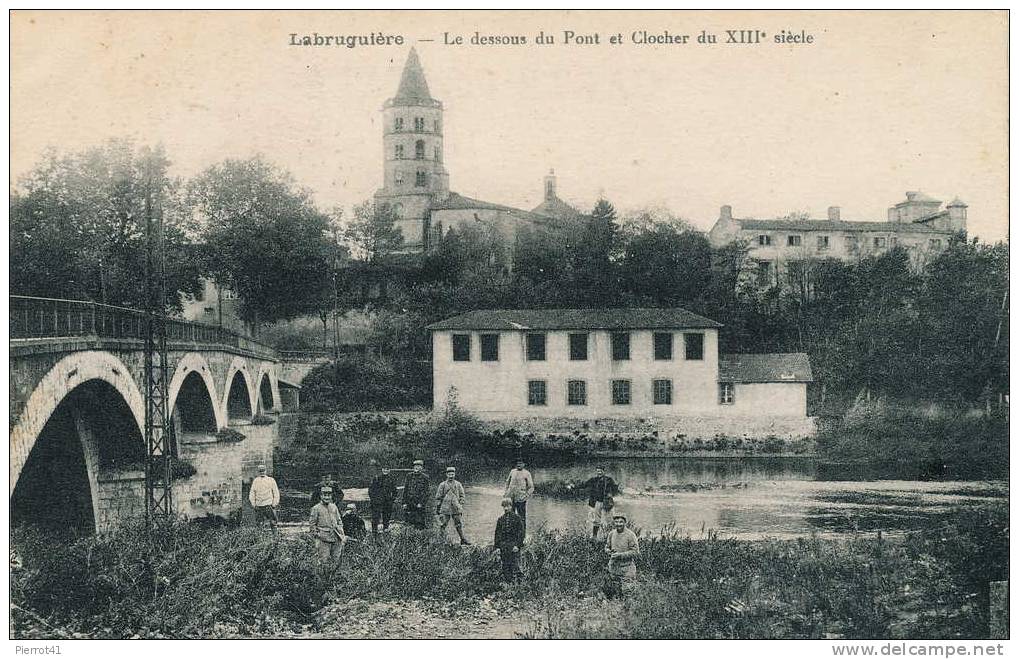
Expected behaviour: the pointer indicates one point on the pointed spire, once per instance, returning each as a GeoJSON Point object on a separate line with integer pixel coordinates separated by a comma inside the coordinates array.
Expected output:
{"type": "Point", "coordinates": [412, 83]}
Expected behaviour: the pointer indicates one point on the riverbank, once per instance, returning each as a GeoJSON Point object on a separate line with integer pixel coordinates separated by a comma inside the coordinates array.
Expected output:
{"type": "Point", "coordinates": [185, 582]}
{"type": "Point", "coordinates": [923, 441]}
{"type": "Point", "coordinates": [346, 444]}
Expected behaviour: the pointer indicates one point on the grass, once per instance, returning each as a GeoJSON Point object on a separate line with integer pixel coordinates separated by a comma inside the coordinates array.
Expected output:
{"type": "Point", "coordinates": [182, 581]}
{"type": "Point", "coordinates": [919, 442]}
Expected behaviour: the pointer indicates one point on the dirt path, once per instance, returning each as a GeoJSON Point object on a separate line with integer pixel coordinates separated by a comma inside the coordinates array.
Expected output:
{"type": "Point", "coordinates": [486, 618]}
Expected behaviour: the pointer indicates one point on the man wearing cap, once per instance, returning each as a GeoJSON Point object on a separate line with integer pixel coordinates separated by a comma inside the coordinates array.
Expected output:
{"type": "Point", "coordinates": [382, 494]}
{"type": "Point", "coordinates": [509, 539]}
{"type": "Point", "coordinates": [264, 497]}
{"type": "Point", "coordinates": [519, 488]}
{"type": "Point", "coordinates": [622, 547]}
{"type": "Point", "coordinates": [353, 525]}
{"type": "Point", "coordinates": [416, 490]}
{"type": "Point", "coordinates": [327, 528]}
{"type": "Point", "coordinates": [450, 499]}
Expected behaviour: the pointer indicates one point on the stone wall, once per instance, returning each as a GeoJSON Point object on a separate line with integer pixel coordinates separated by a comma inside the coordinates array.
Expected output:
{"type": "Point", "coordinates": [215, 489]}
{"type": "Point", "coordinates": [120, 497]}
{"type": "Point", "coordinates": [665, 428]}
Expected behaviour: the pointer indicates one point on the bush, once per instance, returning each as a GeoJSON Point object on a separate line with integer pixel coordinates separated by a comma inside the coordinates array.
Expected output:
{"type": "Point", "coordinates": [177, 580]}
{"type": "Point", "coordinates": [229, 435]}
{"type": "Point", "coordinates": [959, 442]}
{"type": "Point", "coordinates": [370, 383]}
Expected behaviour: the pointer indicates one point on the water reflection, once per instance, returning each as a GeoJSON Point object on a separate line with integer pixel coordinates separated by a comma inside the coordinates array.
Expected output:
{"type": "Point", "coordinates": [747, 497]}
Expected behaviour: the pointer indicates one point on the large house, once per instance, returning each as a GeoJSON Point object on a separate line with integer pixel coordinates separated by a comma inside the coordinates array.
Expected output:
{"type": "Point", "coordinates": [918, 224]}
{"type": "Point", "coordinates": [605, 363]}
{"type": "Point", "coordinates": [416, 183]}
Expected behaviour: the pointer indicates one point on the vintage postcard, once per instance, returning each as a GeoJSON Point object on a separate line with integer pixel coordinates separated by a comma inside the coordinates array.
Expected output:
{"type": "Point", "coordinates": [510, 325]}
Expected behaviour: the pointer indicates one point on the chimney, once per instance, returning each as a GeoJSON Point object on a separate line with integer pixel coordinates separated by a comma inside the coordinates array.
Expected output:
{"type": "Point", "coordinates": [833, 213]}
{"type": "Point", "coordinates": [550, 185]}
{"type": "Point", "coordinates": [725, 213]}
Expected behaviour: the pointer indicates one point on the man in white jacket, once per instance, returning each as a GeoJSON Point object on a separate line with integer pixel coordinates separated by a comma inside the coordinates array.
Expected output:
{"type": "Point", "coordinates": [519, 488]}
{"type": "Point", "coordinates": [264, 497]}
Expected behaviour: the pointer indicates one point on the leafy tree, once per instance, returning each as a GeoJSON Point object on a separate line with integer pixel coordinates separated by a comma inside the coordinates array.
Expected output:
{"type": "Point", "coordinates": [266, 239]}
{"type": "Point", "coordinates": [373, 234]}
{"type": "Point", "coordinates": [78, 220]}
{"type": "Point", "coordinates": [666, 266]}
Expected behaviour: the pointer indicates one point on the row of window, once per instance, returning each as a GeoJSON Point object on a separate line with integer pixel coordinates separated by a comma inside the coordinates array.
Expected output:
{"type": "Point", "coordinates": [824, 242]}
{"type": "Point", "coordinates": [621, 392]}
{"type": "Point", "coordinates": [420, 178]}
{"type": "Point", "coordinates": [419, 124]}
{"type": "Point", "coordinates": [693, 346]}
{"type": "Point", "coordinates": [419, 152]}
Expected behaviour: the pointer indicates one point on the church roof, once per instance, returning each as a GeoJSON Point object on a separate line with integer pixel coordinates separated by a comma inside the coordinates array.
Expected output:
{"type": "Point", "coordinates": [456, 201]}
{"type": "Point", "coordinates": [413, 86]}
{"type": "Point", "coordinates": [556, 208]}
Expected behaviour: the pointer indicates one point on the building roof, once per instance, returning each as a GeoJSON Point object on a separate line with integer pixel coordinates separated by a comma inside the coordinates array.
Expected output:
{"type": "Point", "coordinates": [413, 86]}
{"type": "Point", "coordinates": [832, 225]}
{"type": "Point", "coordinates": [585, 319]}
{"type": "Point", "coordinates": [556, 208]}
{"type": "Point", "coordinates": [775, 367]}
{"type": "Point", "coordinates": [456, 201]}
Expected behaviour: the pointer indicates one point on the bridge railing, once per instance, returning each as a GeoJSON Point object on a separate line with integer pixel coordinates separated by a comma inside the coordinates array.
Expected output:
{"type": "Point", "coordinates": [36, 318]}
{"type": "Point", "coordinates": [305, 355]}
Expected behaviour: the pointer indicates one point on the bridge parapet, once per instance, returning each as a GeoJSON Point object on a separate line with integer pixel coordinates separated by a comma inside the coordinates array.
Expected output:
{"type": "Point", "coordinates": [35, 318]}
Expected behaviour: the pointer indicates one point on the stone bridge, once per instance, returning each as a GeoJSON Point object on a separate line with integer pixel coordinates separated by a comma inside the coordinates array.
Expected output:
{"type": "Point", "coordinates": [77, 412]}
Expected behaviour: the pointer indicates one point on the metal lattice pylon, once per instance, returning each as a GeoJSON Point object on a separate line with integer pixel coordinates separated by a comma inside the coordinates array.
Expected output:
{"type": "Point", "coordinates": [158, 424]}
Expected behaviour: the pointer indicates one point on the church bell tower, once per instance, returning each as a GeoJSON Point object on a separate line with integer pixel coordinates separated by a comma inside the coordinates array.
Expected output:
{"type": "Point", "coordinates": [414, 175]}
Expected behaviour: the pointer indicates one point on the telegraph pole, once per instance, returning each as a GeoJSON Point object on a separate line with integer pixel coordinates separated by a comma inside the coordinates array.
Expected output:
{"type": "Point", "coordinates": [158, 426]}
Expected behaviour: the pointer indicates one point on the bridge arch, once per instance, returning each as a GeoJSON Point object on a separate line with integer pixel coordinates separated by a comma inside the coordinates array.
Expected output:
{"type": "Point", "coordinates": [64, 377]}
{"type": "Point", "coordinates": [268, 389]}
{"type": "Point", "coordinates": [239, 402]}
{"type": "Point", "coordinates": [193, 369]}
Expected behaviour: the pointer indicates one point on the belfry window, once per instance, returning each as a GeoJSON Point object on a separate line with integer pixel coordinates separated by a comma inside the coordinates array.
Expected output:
{"type": "Point", "coordinates": [399, 152]}
{"type": "Point", "coordinates": [438, 155]}
{"type": "Point", "coordinates": [419, 124]}
{"type": "Point", "coordinates": [419, 150]}
{"type": "Point", "coordinates": [398, 176]}
{"type": "Point", "coordinates": [420, 179]}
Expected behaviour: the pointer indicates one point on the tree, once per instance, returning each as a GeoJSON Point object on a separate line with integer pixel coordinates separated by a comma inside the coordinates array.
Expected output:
{"type": "Point", "coordinates": [77, 226]}
{"type": "Point", "coordinates": [666, 266]}
{"type": "Point", "coordinates": [373, 234]}
{"type": "Point", "coordinates": [265, 238]}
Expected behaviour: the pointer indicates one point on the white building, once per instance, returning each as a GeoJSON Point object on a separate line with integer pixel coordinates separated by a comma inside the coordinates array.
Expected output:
{"type": "Point", "coordinates": [919, 225]}
{"type": "Point", "coordinates": [605, 363]}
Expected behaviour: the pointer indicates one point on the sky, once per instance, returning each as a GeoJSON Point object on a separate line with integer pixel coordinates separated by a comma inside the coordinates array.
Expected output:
{"type": "Point", "coordinates": [879, 103]}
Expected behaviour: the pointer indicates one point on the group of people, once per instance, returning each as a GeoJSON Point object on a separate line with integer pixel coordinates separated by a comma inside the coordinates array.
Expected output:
{"type": "Point", "coordinates": [331, 529]}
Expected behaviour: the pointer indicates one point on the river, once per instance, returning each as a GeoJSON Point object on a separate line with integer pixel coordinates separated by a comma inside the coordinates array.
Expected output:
{"type": "Point", "coordinates": [748, 498]}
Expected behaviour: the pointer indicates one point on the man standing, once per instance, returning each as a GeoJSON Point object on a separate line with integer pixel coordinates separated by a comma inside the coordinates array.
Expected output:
{"type": "Point", "coordinates": [622, 548]}
{"type": "Point", "coordinates": [382, 494]}
{"type": "Point", "coordinates": [324, 523]}
{"type": "Point", "coordinates": [264, 497]}
{"type": "Point", "coordinates": [450, 500]}
{"type": "Point", "coordinates": [415, 496]}
{"type": "Point", "coordinates": [509, 540]}
{"type": "Point", "coordinates": [600, 490]}
{"type": "Point", "coordinates": [353, 525]}
{"type": "Point", "coordinates": [519, 488]}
